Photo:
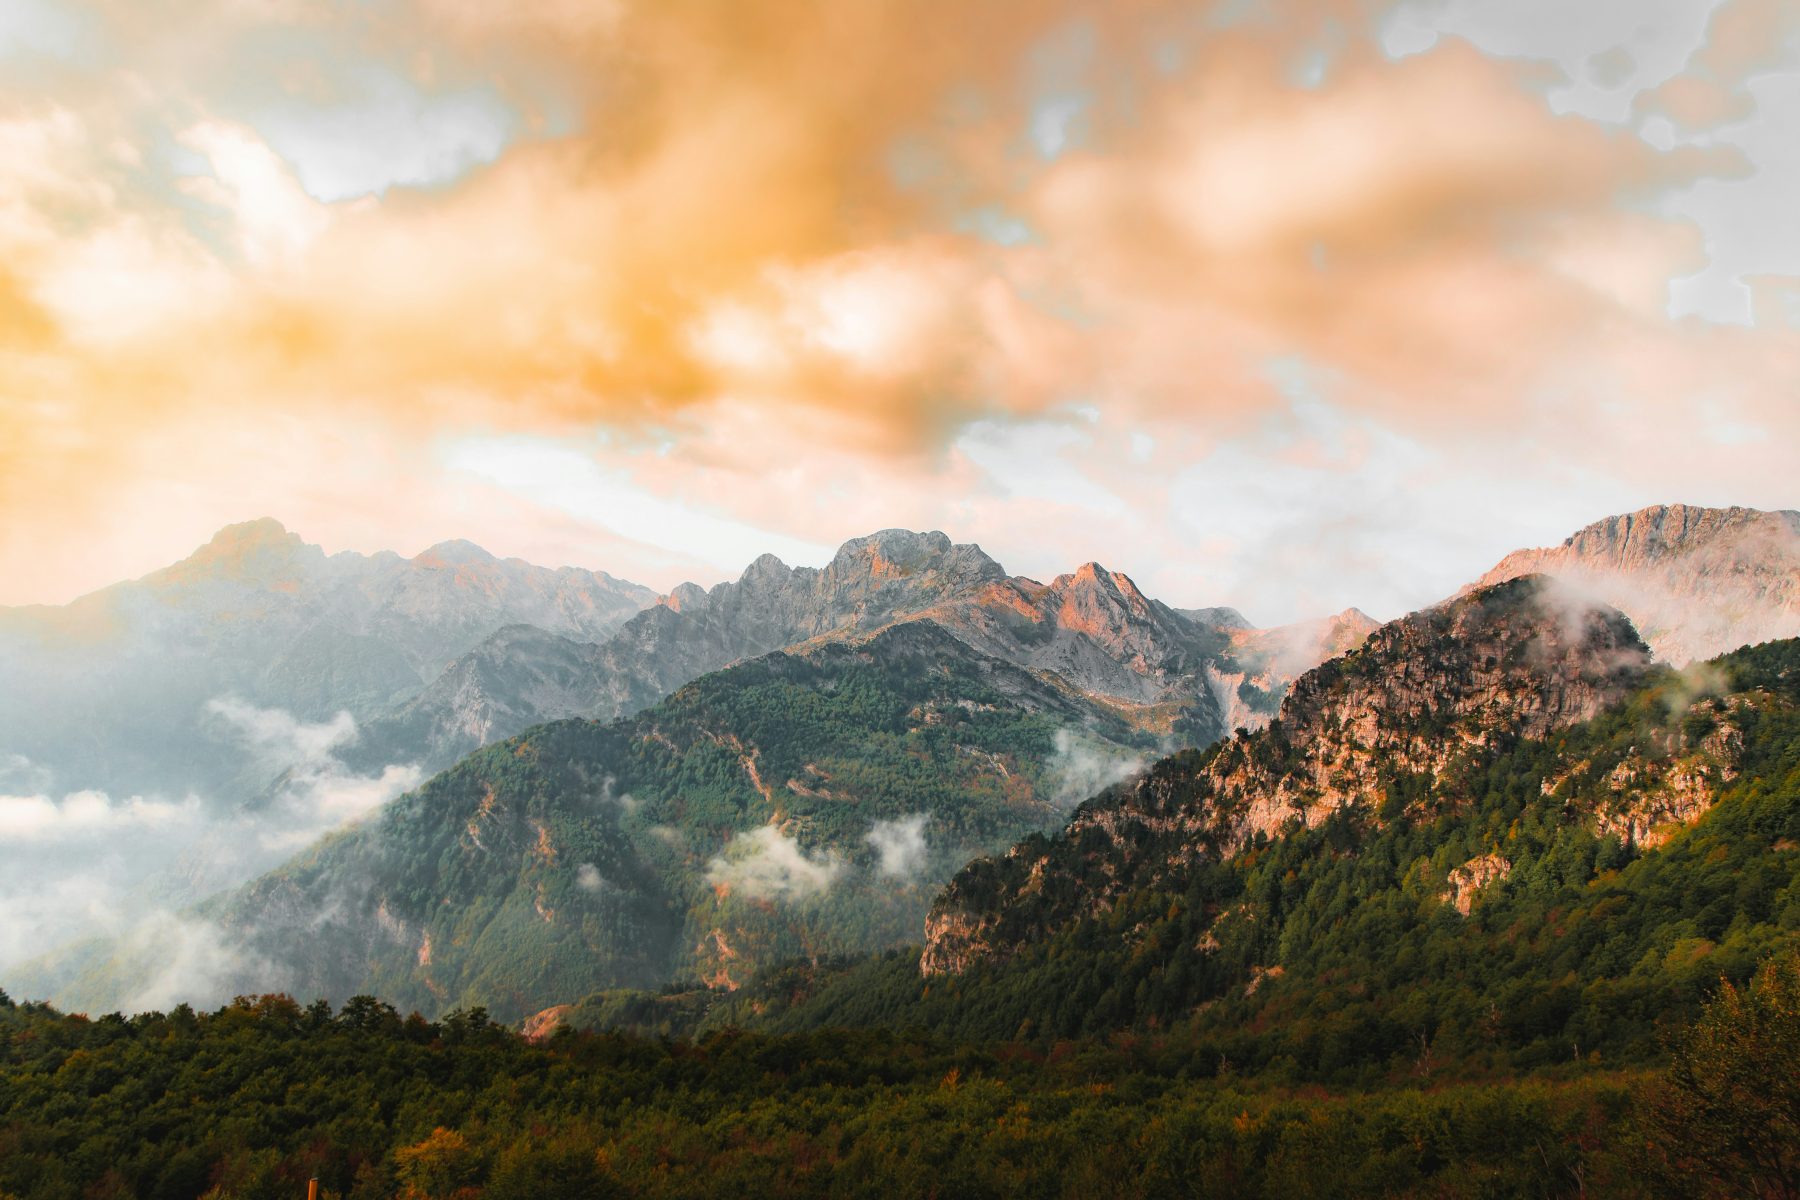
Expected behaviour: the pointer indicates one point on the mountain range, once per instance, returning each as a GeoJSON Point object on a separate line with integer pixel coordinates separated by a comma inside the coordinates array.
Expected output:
{"type": "Point", "coordinates": [111, 691]}
{"type": "Point", "coordinates": [796, 762]}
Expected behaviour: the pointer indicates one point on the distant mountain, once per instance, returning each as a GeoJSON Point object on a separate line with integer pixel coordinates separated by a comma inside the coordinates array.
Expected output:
{"type": "Point", "coordinates": [1093, 627]}
{"type": "Point", "coordinates": [808, 802]}
{"type": "Point", "coordinates": [111, 690]}
{"type": "Point", "coordinates": [1697, 582]}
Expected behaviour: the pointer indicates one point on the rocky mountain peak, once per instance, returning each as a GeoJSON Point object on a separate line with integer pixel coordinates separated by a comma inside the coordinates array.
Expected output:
{"type": "Point", "coordinates": [685, 597]}
{"type": "Point", "coordinates": [245, 534]}
{"type": "Point", "coordinates": [258, 553]}
{"type": "Point", "coordinates": [903, 553]}
{"type": "Point", "coordinates": [1524, 657]}
{"type": "Point", "coordinates": [454, 553]}
{"type": "Point", "coordinates": [766, 570]}
{"type": "Point", "coordinates": [1664, 531]}
{"type": "Point", "coordinates": [1696, 581]}
{"type": "Point", "coordinates": [1115, 585]}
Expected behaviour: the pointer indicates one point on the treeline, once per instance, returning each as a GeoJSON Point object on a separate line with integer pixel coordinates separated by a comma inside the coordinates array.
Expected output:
{"type": "Point", "coordinates": [251, 1101]}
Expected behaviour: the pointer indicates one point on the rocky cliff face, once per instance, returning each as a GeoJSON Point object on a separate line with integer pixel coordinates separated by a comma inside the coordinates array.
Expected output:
{"type": "Point", "coordinates": [1423, 696]}
{"type": "Point", "coordinates": [1697, 582]}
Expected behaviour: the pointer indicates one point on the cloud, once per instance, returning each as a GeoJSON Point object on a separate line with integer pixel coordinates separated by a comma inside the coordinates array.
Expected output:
{"type": "Point", "coordinates": [587, 878]}
{"type": "Point", "coordinates": [1082, 766]}
{"type": "Point", "coordinates": [316, 792]}
{"type": "Point", "coordinates": [87, 814]}
{"type": "Point", "coordinates": [753, 287]}
{"type": "Point", "coordinates": [279, 737]}
{"type": "Point", "coordinates": [87, 864]}
{"type": "Point", "coordinates": [182, 959]}
{"type": "Point", "coordinates": [765, 863]}
{"type": "Point", "coordinates": [900, 848]}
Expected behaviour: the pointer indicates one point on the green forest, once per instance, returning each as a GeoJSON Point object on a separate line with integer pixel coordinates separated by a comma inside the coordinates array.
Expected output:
{"type": "Point", "coordinates": [253, 1100]}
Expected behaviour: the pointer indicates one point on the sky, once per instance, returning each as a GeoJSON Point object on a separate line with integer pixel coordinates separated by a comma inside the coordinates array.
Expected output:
{"type": "Point", "coordinates": [1291, 306]}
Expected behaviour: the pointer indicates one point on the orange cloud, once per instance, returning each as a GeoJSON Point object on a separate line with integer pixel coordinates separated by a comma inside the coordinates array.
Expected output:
{"type": "Point", "coordinates": [759, 221]}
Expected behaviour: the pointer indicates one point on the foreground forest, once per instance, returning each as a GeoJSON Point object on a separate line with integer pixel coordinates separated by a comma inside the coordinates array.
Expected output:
{"type": "Point", "coordinates": [251, 1101]}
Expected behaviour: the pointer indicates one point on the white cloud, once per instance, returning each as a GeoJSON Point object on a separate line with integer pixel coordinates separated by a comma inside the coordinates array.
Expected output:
{"type": "Point", "coordinates": [19, 772]}
{"type": "Point", "coordinates": [188, 960]}
{"type": "Point", "coordinates": [318, 793]}
{"type": "Point", "coordinates": [587, 878]}
{"type": "Point", "coordinates": [1029, 462]}
{"type": "Point", "coordinates": [274, 218]}
{"type": "Point", "coordinates": [766, 863]}
{"type": "Point", "coordinates": [29, 28]}
{"type": "Point", "coordinates": [87, 814]}
{"type": "Point", "coordinates": [387, 131]}
{"type": "Point", "coordinates": [900, 846]}
{"type": "Point", "coordinates": [1082, 766]}
{"type": "Point", "coordinates": [279, 736]}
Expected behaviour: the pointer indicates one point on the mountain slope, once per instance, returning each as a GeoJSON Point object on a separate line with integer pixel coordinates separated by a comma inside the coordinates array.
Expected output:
{"type": "Point", "coordinates": [1697, 582]}
{"type": "Point", "coordinates": [793, 803]}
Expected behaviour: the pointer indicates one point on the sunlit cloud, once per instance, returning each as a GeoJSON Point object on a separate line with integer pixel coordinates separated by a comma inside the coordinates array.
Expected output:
{"type": "Point", "coordinates": [659, 287]}
{"type": "Point", "coordinates": [563, 479]}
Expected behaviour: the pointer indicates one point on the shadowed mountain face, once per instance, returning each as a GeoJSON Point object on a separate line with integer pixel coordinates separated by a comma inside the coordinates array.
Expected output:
{"type": "Point", "coordinates": [1697, 582]}
{"type": "Point", "coordinates": [111, 691]}
{"type": "Point", "coordinates": [1422, 698]}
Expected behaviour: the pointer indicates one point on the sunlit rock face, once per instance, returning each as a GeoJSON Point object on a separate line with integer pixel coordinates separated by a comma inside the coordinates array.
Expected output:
{"type": "Point", "coordinates": [1697, 582]}
{"type": "Point", "coordinates": [1423, 696]}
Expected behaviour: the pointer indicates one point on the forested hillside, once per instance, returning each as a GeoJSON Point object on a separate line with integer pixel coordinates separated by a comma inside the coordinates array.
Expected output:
{"type": "Point", "coordinates": [1562, 899]}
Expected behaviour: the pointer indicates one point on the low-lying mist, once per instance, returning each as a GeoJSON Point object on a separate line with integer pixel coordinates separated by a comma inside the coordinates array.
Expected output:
{"type": "Point", "coordinates": [82, 865]}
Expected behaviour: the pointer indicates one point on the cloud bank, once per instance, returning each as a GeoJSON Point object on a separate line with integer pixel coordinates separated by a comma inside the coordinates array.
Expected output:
{"type": "Point", "coordinates": [717, 260]}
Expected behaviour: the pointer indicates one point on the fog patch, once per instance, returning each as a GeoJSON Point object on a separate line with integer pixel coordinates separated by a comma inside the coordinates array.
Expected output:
{"type": "Point", "coordinates": [627, 802]}
{"type": "Point", "coordinates": [20, 774]}
{"type": "Point", "coordinates": [76, 866]}
{"type": "Point", "coordinates": [316, 793]}
{"type": "Point", "coordinates": [1694, 683]}
{"type": "Point", "coordinates": [278, 737]}
{"type": "Point", "coordinates": [87, 865]}
{"type": "Point", "coordinates": [900, 850]}
{"type": "Point", "coordinates": [183, 959]}
{"type": "Point", "coordinates": [1082, 766]}
{"type": "Point", "coordinates": [767, 864]}
{"type": "Point", "coordinates": [88, 814]}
